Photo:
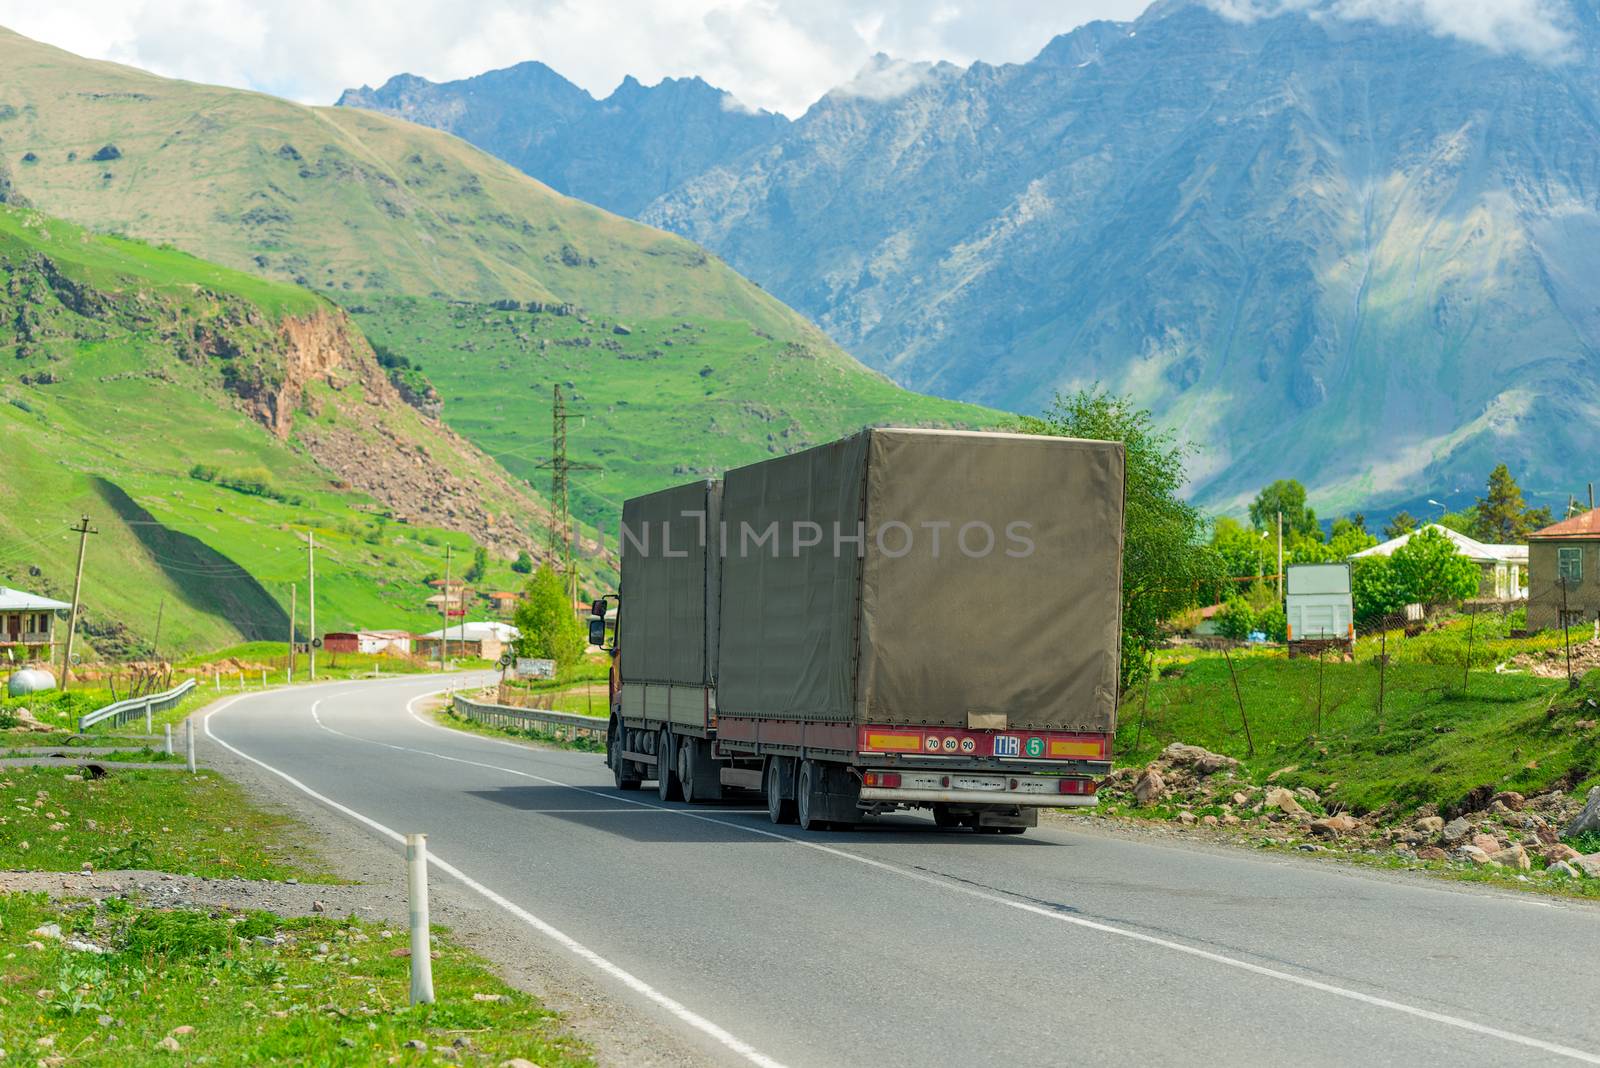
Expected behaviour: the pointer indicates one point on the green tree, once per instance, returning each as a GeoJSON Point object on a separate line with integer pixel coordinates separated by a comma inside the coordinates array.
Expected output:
{"type": "Point", "coordinates": [1428, 570]}
{"type": "Point", "coordinates": [549, 628]}
{"type": "Point", "coordinates": [1236, 620]}
{"type": "Point", "coordinates": [1462, 522]}
{"type": "Point", "coordinates": [1241, 551]}
{"type": "Point", "coordinates": [523, 564]}
{"type": "Point", "coordinates": [1375, 591]}
{"type": "Point", "coordinates": [1165, 559]}
{"type": "Point", "coordinates": [1400, 523]}
{"type": "Point", "coordinates": [1289, 497]}
{"type": "Point", "coordinates": [480, 565]}
{"type": "Point", "coordinates": [1502, 513]}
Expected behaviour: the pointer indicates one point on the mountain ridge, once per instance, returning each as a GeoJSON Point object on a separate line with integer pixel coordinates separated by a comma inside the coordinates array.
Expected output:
{"type": "Point", "coordinates": [1345, 249]}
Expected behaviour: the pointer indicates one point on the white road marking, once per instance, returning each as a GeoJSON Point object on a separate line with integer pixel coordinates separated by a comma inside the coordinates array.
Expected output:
{"type": "Point", "coordinates": [1417, 1012]}
{"type": "Point", "coordinates": [628, 979]}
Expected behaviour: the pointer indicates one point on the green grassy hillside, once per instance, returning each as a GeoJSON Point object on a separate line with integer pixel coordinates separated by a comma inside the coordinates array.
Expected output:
{"type": "Point", "coordinates": [336, 199]}
{"type": "Point", "coordinates": [371, 211]}
{"type": "Point", "coordinates": [667, 400]}
{"type": "Point", "coordinates": [123, 367]}
{"type": "Point", "coordinates": [1443, 731]}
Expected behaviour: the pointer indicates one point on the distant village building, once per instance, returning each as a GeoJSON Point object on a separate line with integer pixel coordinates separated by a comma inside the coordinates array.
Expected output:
{"type": "Point", "coordinates": [504, 603]}
{"type": "Point", "coordinates": [1504, 567]}
{"type": "Point", "coordinates": [1564, 572]}
{"type": "Point", "coordinates": [487, 639]}
{"type": "Point", "coordinates": [372, 642]}
{"type": "Point", "coordinates": [28, 623]}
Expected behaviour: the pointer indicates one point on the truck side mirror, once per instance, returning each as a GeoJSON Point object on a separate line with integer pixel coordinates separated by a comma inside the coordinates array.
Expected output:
{"type": "Point", "coordinates": [597, 631]}
{"type": "Point", "coordinates": [598, 608]}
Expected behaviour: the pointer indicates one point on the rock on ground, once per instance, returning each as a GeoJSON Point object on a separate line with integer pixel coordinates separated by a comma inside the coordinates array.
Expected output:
{"type": "Point", "coordinates": [1588, 819]}
{"type": "Point", "coordinates": [1203, 761]}
{"type": "Point", "coordinates": [1284, 800]}
{"type": "Point", "coordinates": [1150, 787]}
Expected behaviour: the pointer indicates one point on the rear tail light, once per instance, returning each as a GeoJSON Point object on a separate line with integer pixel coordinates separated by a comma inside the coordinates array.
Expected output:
{"type": "Point", "coordinates": [884, 779]}
{"type": "Point", "coordinates": [1078, 786]}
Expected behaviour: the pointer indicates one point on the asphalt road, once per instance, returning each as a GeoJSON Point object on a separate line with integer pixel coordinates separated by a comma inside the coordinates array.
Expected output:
{"type": "Point", "coordinates": [896, 944]}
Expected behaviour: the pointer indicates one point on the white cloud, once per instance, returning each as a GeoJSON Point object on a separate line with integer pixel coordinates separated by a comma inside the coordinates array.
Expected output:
{"type": "Point", "coordinates": [884, 78]}
{"type": "Point", "coordinates": [1535, 28]}
{"type": "Point", "coordinates": [775, 54]}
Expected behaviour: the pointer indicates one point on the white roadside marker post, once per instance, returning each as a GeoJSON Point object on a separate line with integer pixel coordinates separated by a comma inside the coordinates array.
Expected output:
{"type": "Point", "coordinates": [417, 884]}
{"type": "Point", "coordinates": [169, 738]}
{"type": "Point", "coordinates": [188, 742]}
{"type": "Point", "coordinates": [147, 725]}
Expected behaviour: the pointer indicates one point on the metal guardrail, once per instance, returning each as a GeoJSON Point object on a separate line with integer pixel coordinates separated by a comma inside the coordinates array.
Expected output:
{"type": "Point", "coordinates": [119, 712]}
{"type": "Point", "coordinates": [505, 716]}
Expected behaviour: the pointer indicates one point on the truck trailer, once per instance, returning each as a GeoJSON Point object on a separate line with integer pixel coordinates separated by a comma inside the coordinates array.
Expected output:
{"type": "Point", "coordinates": [1318, 609]}
{"type": "Point", "coordinates": [898, 619]}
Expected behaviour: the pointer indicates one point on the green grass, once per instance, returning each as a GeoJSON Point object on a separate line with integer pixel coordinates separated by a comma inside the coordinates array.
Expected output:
{"type": "Point", "coordinates": [329, 992]}
{"type": "Point", "coordinates": [1434, 742]}
{"type": "Point", "coordinates": [677, 398]}
{"type": "Point", "coordinates": [169, 821]}
{"type": "Point", "coordinates": [105, 408]}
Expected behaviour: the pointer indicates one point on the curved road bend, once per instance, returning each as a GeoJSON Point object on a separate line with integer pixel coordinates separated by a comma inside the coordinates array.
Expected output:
{"type": "Point", "coordinates": [897, 945]}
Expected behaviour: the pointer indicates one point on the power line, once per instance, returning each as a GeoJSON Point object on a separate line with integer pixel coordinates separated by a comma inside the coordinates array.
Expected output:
{"type": "Point", "coordinates": [559, 465]}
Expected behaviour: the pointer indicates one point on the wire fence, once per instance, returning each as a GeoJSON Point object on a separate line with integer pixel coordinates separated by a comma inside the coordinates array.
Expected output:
{"type": "Point", "coordinates": [1442, 666]}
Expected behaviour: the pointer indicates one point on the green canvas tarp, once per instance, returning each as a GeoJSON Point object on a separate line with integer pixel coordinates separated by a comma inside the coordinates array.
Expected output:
{"type": "Point", "coordinates": [986, 581]}
{"type": "Point", "coordinates": [668, 631]}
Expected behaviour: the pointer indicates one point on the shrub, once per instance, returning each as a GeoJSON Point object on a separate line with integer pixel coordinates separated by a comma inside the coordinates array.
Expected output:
{"type": "Point", "coordinates": [549, 627]}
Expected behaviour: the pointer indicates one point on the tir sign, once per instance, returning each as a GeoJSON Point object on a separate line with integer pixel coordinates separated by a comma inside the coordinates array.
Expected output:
{"type": "Point", "coordinates": [1007, 745]}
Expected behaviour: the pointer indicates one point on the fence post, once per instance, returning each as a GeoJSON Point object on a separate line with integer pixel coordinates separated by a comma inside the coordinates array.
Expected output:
{"type": "Point", "coordinates": [1383, 664]}
{"type": "Point", "coordinates": [1237, 696]}
{"type": "Point", "coordinates": [188, 742]}
{"type": "Point", "coordinates": [169, 738]}
{"type": "Point", "coordinates": [263, 678]}
{"type": "Point", "coordinates": [148, 723]}
{"type": "Point", "coordinates": [417, 886]}
{"type": "Point", "coordinates": [1472, 626]}
{"type": "Point", "coordinates": [216, 676]}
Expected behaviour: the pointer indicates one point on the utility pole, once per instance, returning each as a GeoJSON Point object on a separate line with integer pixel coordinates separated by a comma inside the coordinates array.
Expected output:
{"type": "Point", "coordinates": [155, 644]}
{"type": "Point", "coordinates": [560, 540]}
{"type": "Point", "coordinates": [288, 675]}
{"type": "Point", "coordinates": [1280, 554]}
{"type": "Point", "coordinates": [311, 606]}
{"type": "Point", "coordinates": [444, 608]}
{"type": "Point", "coordinates": [84, 530]}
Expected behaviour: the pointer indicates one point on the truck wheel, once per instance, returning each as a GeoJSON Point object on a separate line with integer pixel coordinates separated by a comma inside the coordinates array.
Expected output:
{"type": "Point", "coordinates": [624, 772]}
{"type": "Point", "coordinates": [667, 786]}
{"type": "Point", "coordinates": [780, 809]}
{"type": "Point", "coordinates": [805, 798]}
{"type": "Point", "coordinates": [686, 771]}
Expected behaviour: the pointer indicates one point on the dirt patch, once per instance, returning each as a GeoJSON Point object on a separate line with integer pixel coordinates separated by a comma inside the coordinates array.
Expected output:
{"type": "Point", "coordinates": [1552, 663]}
{"type": "Point", "coordinates": [164, 890]}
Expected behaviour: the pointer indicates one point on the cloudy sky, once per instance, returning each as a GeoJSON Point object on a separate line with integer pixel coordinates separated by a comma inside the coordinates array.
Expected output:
{"type": "Point", "coordinates": [777, 54]}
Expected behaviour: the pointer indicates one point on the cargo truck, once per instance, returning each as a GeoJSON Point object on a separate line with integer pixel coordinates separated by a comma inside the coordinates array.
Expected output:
{"type": "Point", "coordinates": [899, 619]}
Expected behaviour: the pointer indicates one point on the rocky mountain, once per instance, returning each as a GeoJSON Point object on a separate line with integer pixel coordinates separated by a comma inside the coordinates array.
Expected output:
{"type": "Point", "coordinates": [620, 153]}
{"type": "Point", "coordinates": [1320, 239]}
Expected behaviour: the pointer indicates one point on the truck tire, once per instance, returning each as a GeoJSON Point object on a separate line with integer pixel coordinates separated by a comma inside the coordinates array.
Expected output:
{"type": "Point", "coordinates": [807, 799]}
{"type": "Point", "coordinates": [698, 775]}
{"type": "Point", "coordinates": [625, 773]}
{"type": "Point", "coordinates": [780, 809]}
{"type": "Point", "coordinates": [667, 786]}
